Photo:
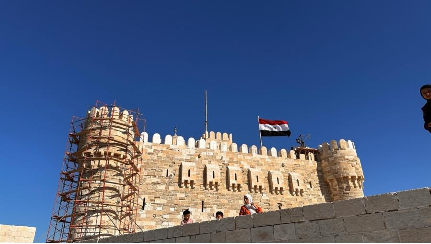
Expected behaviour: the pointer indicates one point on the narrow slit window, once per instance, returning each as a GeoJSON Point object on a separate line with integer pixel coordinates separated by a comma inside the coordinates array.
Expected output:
{"type": "Point", "coordinates": [297, 182]}
{"type": "Point", "coordinates": [188, 173]}
{"type": "Point", "coordinates": [143, 204]}
{"type": "Point", "coordinates": [213, 174]}
{"type": "Point", "coordinates": [235, 176]}
{"type": "Point", "coordinates": [278, 181]}
{"type": "Point", "coordinates": [167, 172]}
{"type": "Point", "coordinates": [203, 206]}
{"type": "Point", "coordinates": [257, 178]}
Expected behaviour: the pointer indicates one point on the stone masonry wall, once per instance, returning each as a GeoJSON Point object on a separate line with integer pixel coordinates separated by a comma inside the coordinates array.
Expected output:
{"type": "Point", "coordinates": [213, 174]}
{"type": "Point", "coordinates": [394, 217]}
{"type": "Point", "coordinates": [16, 234]}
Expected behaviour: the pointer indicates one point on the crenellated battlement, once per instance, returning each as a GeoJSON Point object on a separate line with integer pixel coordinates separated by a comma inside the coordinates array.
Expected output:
{"type": "Point", "coordinates": [222, 145]}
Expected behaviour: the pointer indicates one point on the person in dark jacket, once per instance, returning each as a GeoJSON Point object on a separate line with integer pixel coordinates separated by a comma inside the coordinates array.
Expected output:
{"type": "Point", "coordinates": [426, 109]}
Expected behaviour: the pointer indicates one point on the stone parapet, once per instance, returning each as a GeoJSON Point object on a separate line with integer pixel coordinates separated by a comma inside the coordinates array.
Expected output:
{"type": "Point", "coordinates": [398, 223]}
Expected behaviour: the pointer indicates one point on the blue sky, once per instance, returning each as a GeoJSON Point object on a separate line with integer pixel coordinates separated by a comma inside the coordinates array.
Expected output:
{"type": "Point", "coordinates": [334, 69]}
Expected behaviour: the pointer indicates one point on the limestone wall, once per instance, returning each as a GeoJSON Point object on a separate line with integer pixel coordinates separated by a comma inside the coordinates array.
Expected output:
{"type": "Point", "coordinates": [209, 175]}
{"type": "Point", "coordinates": [395, 217]}
{"type": "Point", "coordinates": [16, 234]}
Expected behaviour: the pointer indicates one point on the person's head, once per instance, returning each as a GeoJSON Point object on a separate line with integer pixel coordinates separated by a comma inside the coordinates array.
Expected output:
{"type": "Point", "coordinates": [219, 215]}
{"type": "Point", "coordinates": [186, 215]}
{"type": "Point", "coordinates": [426, 92]}
{"type": "Point", "coordinates": [248, 199]}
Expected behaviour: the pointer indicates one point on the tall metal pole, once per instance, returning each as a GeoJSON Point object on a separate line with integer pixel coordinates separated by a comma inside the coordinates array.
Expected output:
{"type": "Point", "coordinates": [258, 127]}
{"type": "Point", "coordinates": [206, 116]}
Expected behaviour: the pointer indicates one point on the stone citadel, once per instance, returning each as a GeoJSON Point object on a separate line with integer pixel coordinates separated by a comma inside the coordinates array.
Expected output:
{"type": "Point", "coordinates": [116, 181]}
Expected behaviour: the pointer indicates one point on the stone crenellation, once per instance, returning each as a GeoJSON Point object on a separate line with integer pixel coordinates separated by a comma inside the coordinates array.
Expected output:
{"type": "Point", "coordinates": [206, 174]}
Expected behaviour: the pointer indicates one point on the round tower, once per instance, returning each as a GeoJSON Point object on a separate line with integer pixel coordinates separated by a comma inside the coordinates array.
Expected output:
{"type": "Point", "coordinates": [342, 170]}
{"type": "Point", "coordinates": [107, 166]}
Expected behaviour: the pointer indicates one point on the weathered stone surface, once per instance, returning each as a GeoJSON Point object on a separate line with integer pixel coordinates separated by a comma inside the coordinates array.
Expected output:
{"type": "Point", "coordinates": [175, 231]}
{"type": "Point", "coordinates": [319, 211]}
{"type": "Point", "coordinates": [414, 198]}
{"type": "Point", "coordinates": [169, 240]}
{"type": "Point", "coordinates": [150, 235]}
{"type": "Point", "coordinates": [384, 236]}
{"type": "Point", "coordinates": [284, 231]}
{"type": "Point", "coordinates": [415, 235]}
{"type": "Point", "coordinates": [262, 234]}
{"type": "Point", "coordinates": [190, 229]}
{"type": "Point", "coordinates": [238, 236]}
{"type": "Point", "coordinates": [349, 207]}
{"type": "Point", "coordinates": [183, 239]}
{"type": "Point", "coordinates": [364, 223]}
{"type": "Point", "coordinates": [244, 222]}
{"type": "Point", "coordinates": [160, 234]}
{"type": "Point", "coordinates": [133, 238]}
{"type": "Point", "coordinates": [349, 238]}
{"type": "Point", "coordinates": [218, 237]}
{"type": "Point", "coordinates": [409, 218]}
{"type": "Point", "coordinates": [225, 224]}
{"type": "Point", "coordinates": [320, 239]}
{"type": "Point", "coordinates": [292, 215]}
{"type": "Point", "coordinates": [381, 203]}
{"type": "Point", "coordinates": [268, 218]}
{"type": "Point", "coordinates": [203, 238]}
{"type": "Point", "coordinates": [208, 226]}
{"type": "Point", "coordinates": [331, 227]}
{"type": "Point", "coordinates": [307, 229]}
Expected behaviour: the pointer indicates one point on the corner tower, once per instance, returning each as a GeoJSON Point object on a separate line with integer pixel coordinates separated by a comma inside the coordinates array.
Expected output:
{"type": "Point", "coordinates": [342, 169]}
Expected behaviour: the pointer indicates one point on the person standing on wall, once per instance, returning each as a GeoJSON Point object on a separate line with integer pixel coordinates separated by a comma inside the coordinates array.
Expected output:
{"type": "Point", "coordinates": [249, 206]}
{"type": "Point", "coordinates": [426, 109]}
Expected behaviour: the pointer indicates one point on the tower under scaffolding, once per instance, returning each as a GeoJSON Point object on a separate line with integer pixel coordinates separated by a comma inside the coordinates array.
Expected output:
{"type": "Point", "coordinates": [98, 189]}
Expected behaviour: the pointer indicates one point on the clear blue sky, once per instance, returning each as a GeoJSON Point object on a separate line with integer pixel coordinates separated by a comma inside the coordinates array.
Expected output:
{"type": "Point", "coordinates": [334, 69]}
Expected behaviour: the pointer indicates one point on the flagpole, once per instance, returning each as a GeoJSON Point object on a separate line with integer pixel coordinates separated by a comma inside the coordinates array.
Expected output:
{"type": "Point", "coordinates": [206, 116]}
{"type": "Point", "coordinates": [260, 137]}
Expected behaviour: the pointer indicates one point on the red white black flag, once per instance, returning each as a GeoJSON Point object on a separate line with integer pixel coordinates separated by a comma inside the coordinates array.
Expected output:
{"type": "Point", "coordinates": [273, 127]}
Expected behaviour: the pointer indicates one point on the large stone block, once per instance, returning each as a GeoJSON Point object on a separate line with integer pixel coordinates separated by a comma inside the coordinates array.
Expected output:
{"type": "Point", "coordinates": [203, 238]}
{"type": "Point", "coordinates": [284, 231]}
{"type": "Point", "coordinates": [218, 237]}
{"type": "Point", "coordinates": [149, 235]}
{"type": "Point", "coordinates": [307, 229]}
{"type": "Point", "coordinates": [331, 227]}
{"type": "Point", "coordinates": [292, 215]}
{"type": "Point", "coordinates": [183, 239]}
{"type": "Point", "coordinates": [381, 203]}
{"type": "Point", "coordinates": [262, 234]}
{"type": "Point", "coordinates": [320, 239]}
{"type": "Point", "coordinates": [319, 211]}
{"type": "Point", "coordinates": [160, 234]}
{"type": "Point", "coordinates": [208, 226]}
{"type": "Point", "coordinates": [415, 198]}
{"type": "Point", "coordinates": [268, 218]}
{"type": "Point", "coordinates": [349, 207]}
{"type": "Point", "coordinates": [409, 218]}
{"type": "Point", "coordinates": [244, 222]}
{"type": "Point", "coordinates": [415, 235]}
{"type": "Point", "coordinates": [169, 240]}
{"type": "Point", "coordinates": [383, 236]}
{"type": "Point", "coordinates": [350, 238]}
{"type": "Point", "coordinates": [175, 231]}
{"type": "Point", "coordinates": [133, 238]}
{"type": "Point", "coordinates": [190, 229]}
{"type": "Point", "coordinates": [238, 236]}
{"type": "Point", "coordinates": [225, 224]}
{"type": "Point", "coordinates": [364, 223]}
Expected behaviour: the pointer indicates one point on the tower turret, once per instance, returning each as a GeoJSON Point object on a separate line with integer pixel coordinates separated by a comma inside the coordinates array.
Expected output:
{"type": "Point", "coordinates": [342, 169]}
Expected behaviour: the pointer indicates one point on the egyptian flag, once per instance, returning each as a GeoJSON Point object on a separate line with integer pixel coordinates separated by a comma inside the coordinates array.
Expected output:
{"type": "Point", "coordinates": [273, 127]}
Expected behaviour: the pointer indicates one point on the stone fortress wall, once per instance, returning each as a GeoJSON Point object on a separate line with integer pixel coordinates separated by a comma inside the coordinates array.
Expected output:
{"type": "Point", "coordinates": [205, 175]}
{"type": "Point", "coordinates": [213, 173]}
{"type": "Point", "coordinates": [394, 217]}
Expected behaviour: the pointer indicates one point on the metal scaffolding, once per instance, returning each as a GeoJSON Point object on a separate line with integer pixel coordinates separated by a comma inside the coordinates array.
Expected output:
{"type": "Point", "coordinates": [98, 189]}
